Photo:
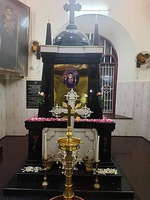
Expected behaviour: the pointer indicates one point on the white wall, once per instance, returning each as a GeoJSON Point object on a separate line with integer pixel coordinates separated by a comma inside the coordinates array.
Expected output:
{"type": "Point", "coordinates": [138, 108]}
{"type": "Point", "coordinates": [126, 25]}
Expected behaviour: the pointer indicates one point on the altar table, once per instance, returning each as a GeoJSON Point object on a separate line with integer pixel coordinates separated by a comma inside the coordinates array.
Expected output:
{"type": "Point", "coordinates": [104, 127]}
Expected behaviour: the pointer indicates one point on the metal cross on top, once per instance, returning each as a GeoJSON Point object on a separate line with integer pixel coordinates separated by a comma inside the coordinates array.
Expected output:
{"type": "Point", "coordinates": [70, 109]}
{"type": "Point", "coordinates": [72, 7]}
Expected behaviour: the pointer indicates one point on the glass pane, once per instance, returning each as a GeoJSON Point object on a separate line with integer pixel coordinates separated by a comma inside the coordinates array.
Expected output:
{"type": "Point", "coordinates": [61, 87]}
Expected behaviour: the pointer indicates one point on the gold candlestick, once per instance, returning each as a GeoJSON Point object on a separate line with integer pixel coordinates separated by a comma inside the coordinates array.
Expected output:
{"type": "Point", "coordinates": [47, 163]}
{"type": "Point", "coordinates": [96, 184]}
{"type": "Point", "coordinates": [45, 182]}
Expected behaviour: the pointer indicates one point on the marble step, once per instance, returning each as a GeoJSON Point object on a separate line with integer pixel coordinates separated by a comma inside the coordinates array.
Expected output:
{"type": "Point", "coordinates": [80, 174]}
{"type": "Point", "coordinates": [81, 188]}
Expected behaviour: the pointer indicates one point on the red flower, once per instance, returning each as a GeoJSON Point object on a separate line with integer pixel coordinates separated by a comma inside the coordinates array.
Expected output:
{"type": "Point", "coordinates": [99, 94]}
{"type": "Point", "coordinates": [35, 137]}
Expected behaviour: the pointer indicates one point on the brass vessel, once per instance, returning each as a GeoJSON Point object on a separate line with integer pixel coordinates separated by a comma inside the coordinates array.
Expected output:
{"type": "Point", "coordinates": [68, 144]}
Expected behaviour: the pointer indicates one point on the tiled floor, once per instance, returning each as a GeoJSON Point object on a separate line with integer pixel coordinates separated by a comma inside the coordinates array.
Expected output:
{"type": "Point", "coordinates": [133, 156]}
{"type": "Point", "coordinates": [131, 153]}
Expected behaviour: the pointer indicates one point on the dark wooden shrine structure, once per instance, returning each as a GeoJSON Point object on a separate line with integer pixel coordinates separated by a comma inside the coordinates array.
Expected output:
{"type": "Point", "coordinates": [30, 183]}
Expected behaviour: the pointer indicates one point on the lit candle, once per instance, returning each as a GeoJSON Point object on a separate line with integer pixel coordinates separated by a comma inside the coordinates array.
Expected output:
{"type": "Point", "coordinates": [97, 149]}
{"type": "Point", "coordinates": [45, 146]}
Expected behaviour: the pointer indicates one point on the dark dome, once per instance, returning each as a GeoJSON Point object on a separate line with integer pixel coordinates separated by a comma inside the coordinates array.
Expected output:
{"type": "Point", "coordinates": [71, 37]}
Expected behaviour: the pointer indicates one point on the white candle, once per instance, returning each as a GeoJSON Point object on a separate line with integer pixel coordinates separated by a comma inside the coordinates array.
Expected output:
{"type": "Point", "coordinates": [45, 146]}
{"type": "Point", "coordinates": [97, 149]}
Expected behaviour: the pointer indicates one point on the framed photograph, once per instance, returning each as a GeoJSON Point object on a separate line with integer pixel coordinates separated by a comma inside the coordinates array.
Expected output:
{"type": "Point", "coordinates": [14, 37]}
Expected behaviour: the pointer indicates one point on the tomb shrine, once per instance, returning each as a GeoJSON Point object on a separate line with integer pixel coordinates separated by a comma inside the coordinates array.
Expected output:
{"type": "Point", "coordinates": [95, 174]}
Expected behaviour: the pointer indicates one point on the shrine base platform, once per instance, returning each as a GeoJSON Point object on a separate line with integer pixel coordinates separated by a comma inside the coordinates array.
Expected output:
{"type": "Point", "coordinates": [27, 185]}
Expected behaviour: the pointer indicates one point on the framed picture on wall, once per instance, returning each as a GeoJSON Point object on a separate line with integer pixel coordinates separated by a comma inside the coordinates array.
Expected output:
{"type": "Point", "coordinates": [14, 37]}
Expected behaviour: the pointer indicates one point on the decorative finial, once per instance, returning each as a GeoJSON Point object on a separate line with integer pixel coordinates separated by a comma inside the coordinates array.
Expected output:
{"type": "Point", "coordinates": [96, 19]}
{"type": "Point", "coordinates": [72, 7]}
{"type": "Point", "coordinates": [48, 33]}
{"type": "Point", "coordinates": [96, 32]}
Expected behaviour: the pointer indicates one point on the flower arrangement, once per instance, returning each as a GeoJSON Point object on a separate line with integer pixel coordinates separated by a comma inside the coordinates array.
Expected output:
{"type": "Point", "coordinates": [100, 99]}
{"type": "Point", "coordinates": [52, 119]}
{"type": "Point", "coordinates": [41, 99]}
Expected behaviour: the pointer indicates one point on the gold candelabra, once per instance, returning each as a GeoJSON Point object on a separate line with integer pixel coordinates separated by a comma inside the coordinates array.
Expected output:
{"type": "Point", "coordinates": [68, 144]}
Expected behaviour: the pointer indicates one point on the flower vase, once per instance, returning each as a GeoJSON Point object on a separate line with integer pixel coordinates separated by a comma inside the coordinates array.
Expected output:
{"type": "Point", "coordinates": [41, 111]}
{"type": "Point", "coordinates": [99, 110]}
{"type": "Point", "coordinates": [100, 113]}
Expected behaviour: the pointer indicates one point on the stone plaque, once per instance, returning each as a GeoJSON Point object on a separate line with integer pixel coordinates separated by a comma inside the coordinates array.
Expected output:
{"type": "Point", "coordinates": [32, 88]}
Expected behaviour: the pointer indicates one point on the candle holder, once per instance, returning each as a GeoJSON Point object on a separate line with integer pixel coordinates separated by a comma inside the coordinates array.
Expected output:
{"type": "Point", "coordinates": [50, 160]}
{"type": "Point", "coordinates": [96, 184]}
{"type": "Point", "coordinates": [88, 162]}
{"type": "Point", "coordinates": [45, 165]}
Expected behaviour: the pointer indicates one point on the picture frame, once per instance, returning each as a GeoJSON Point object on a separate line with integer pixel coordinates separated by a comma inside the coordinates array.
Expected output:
{"type": "Point", "coordinates": [14, 37]}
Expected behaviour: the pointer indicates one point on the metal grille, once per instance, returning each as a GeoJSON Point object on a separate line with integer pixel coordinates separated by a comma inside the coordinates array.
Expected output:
{"type": "Point", "coordinates": [108, 74]}
{"type": "Point", "coordinates": [107, 86]}
{"type": "Point", "coordinates": [108, 70]}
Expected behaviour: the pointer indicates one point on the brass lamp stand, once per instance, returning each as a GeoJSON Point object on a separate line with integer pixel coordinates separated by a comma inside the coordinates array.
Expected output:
{"type": "Point", "coordinates": [68, 144]}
